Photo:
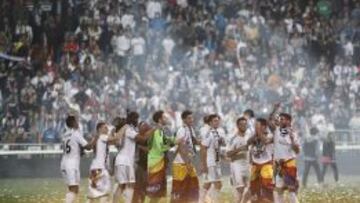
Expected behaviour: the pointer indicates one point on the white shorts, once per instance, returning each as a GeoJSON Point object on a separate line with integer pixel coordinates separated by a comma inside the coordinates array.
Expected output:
{"type": "Point", "coordinates": [213, 174]}
{"type": "Point", "coordinates": [71, 176]}
{"type": "Point", "coordinates": [124, 174]}
{"type": "Point", "coordinates": [239, 174]}
{"type": "Point", "coordinates": [103, 185]}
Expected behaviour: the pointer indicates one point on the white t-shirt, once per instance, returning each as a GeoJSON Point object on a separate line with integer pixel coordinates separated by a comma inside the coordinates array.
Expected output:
{"type": "Point", "coordinates": [168, 45]}
{"type": "Point", "coordinates": [261, 153]}
{"type": "Point", "coordinates": [152, 8]}
{"type": "Point", "coordinates": [282, 144]}
{"type": "Point", "coordinates": [212, 142]}
{"type": "Point", "coordinates": [138, 45]}
{"type": "Point", "coordinates": [113, 20]}
{"type": "Point", "coordinates": [101, 154]}
{"type": "Point", "coordinates": [184, 135]}
{"type": "Point", "coordinates": [182, 3]}
{"type": "Point", "coordinates": [128, 20]}
{"type": "Point", "coordinates": [126, 154]}
{"type": "Point", "coordinates": [122, 45]}
{"type": "Point", "coordinates": [72, 142]}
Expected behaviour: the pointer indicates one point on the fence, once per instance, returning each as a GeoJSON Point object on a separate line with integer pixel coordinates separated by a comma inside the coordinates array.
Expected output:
{"type": "Point", "coordinates": [43, 160]}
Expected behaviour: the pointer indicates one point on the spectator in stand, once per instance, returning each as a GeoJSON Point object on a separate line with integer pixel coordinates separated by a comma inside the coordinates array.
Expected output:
{"type": "Point", "coordinates": [121, 45]}
{"type": "Point", "coordinates": [304, 53]}
{"type": "Point", "coordinates": [152, 8]}
{"type": "Point", "coordinates": [50, 135]}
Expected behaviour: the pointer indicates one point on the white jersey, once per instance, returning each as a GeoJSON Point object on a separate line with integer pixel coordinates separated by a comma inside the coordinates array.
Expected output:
{"type": "Point", "coordinates": [184, 135]}
{"type": "Point", "coordinates": [282, 144]}
{"type": "Point", "coordinates": [236, 142]}
{"type": "Point", "coordinates": [72, 142]}
{"type": "Point", "coordinates": [239, 168]}
{"type": "Point", "coordinates": [204, 131]}
{"type": "Point", "coordinates": [101, 153]}
{"type": "Point", "coordinates": [222, 132]}
{"type": "Point", "coordinates": [127, 152]}
{"type": "Point", "coordinates": [262, 153]}
{"type": "Point", "coordinates": [212, 142]}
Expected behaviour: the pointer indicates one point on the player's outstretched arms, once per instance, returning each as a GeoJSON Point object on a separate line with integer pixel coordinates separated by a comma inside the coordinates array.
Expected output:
{"type": "Point", "coordinates": [90, 145]}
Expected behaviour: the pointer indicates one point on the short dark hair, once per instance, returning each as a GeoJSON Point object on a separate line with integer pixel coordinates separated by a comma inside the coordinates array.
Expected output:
{"type": "Point", "coordinates": [100, 125]}
{"type": "Point", "coordinates": [70, 121]}
{"type": "Point", "coordinates": [119, 122]}
{"type": "Point", "coordinates": [185, 114]}
{"type": "Point", "coordinates": [249, 112]}
{"type": "Point", "coordinates": [286, 115]}
{"type": "Point", "coordinates": [240, 119]}
{"type": "Point", "coordinates": [157, 116]}
{"type": "Point", "coordinates": [262, 121]}
{"type": "Point", "coordinates": [132, 117]}
{"type": "Point", "coordinates": [213, 116]}
{"type": "Point", "coordinates": [206, 119]}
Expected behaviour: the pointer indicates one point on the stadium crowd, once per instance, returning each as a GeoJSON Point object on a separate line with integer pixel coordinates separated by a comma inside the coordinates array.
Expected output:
{"type": "Point", "coordinates": [102, 57]}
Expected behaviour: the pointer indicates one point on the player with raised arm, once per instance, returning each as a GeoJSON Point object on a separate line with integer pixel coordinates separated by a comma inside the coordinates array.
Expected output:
{"type": "Point", "coordinates": [261, 152]}
{"type": "Point", "coordinates": [185, 184]}
{"type": "Point", "coordinates": [125, 159]}
{"type": "Point", "coordinates": [99, 180]}
{"type": "Point", "coordinates": [73, 142]}
{"type": "Point", "coordinates": [237, 152]}
{"type": "Point", "coordinates": [210, 159]}
{"type": "Point", "coordinates": [286, 149]}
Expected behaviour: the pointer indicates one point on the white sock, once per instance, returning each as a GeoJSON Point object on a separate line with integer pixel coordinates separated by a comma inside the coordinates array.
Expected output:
{"type": "Point", "coordinates": [293, 198]}
{"type": "Point", "coordinates": [216, 195]}
{"type": "Point", "coordinates": [128, 194]}
{"type": "Point", "coordinates": [278, 197]}
{"type": "Point", "coordinates": [70, 197]}
{"type": "Point", "coordinates": [104, 199]}
{"type": "Point", "coordinates": [117, 192]}
{"type": "Point", "coordinates": [203, 193]}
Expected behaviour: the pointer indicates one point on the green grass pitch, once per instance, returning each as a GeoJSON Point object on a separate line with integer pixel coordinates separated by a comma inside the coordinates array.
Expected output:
{"type": "Point", "coordinates": [53, 190]}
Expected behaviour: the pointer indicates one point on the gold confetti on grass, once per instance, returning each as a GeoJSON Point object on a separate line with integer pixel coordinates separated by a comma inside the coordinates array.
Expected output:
{"type": "Point", "coordinates": [53, 191]}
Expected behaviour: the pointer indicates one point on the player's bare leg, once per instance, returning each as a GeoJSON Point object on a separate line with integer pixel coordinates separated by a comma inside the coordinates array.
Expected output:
{"type": "Point", "coordinates": [118, 191]}
{"type": "Point", "coordinates": [239, 194]}
{"type": "Point", "coordinates": [71, 195]}
{"type": "Point", "coordinates": [245, 197]}
{"type": "Point", "coordinates": [216, 191]}
{"type": "Point", "coordinates": [278, 195]}
{"type": "Point", "coordinates": [293, 197]}
{"type": "Point", "coordinates": [129, 192]}
{"type": "Point", "coordinates": [203, 193]}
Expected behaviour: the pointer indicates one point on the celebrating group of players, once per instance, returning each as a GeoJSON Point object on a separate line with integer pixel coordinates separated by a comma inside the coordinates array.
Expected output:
{"type": "Point", "coordinates": [262, 155]}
